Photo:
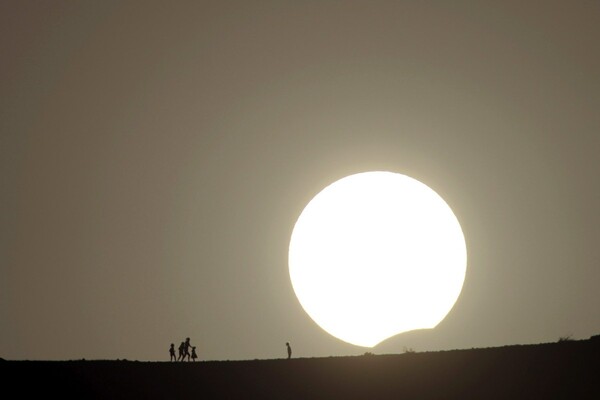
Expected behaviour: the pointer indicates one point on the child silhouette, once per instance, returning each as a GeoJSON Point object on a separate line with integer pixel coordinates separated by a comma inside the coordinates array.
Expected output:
{"type": "Point", "coordinates": [181, 351]}
{"type": "Point", "coordinates": [172, 352]}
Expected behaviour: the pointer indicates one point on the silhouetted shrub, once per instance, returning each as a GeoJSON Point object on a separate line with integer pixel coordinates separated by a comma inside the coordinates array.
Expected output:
{"type": "Point", "coordinates": [566, 338]}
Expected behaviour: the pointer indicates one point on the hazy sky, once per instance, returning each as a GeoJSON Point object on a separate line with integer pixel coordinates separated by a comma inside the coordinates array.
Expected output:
{"type": "Point", "coordinates": [154, 157]}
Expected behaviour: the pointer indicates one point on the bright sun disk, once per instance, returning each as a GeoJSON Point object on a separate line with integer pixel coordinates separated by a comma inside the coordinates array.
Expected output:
{"type": "Point", "coordinates": [376, 254]}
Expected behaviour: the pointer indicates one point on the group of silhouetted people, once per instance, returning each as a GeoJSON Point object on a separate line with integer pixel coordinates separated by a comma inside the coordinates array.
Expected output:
{"type": "Point", "coordinates": [184, 351]}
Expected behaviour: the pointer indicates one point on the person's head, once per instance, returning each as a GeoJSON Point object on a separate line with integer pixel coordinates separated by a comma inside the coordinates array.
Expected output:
{"type": "Point", "coordinates": [187, 339]}
{"type": "Point", "coordinates": [287, 343]}
{"type": "Point", "coordinates": [193, 348]}
{"type": "Point", "coordinates": [172, 344]}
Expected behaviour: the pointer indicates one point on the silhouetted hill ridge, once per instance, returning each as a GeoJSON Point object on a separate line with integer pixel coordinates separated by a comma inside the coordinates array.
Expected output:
{"type": "Point", "coordinates": [564, 370]}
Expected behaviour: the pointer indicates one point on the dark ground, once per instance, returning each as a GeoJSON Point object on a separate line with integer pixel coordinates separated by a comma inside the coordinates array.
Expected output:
{"type": "Point", "coordinates": [565, 370]}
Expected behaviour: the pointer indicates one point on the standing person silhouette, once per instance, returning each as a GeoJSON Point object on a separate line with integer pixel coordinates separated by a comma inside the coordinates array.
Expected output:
{"type": "Point", "coordinates": [186, 349]}
{"type": "Point", "coordinates": [172, 352]}
{"type": "Point", "coordinates": [181, 351]}
{"type": "Point", "coordinates": [289, 350]}
{"type": "Point", "coordinates": [194, 355]}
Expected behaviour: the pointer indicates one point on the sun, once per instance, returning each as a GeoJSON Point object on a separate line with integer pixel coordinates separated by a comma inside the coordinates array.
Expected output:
{"type": "Point", "coordinates": [376, 254]}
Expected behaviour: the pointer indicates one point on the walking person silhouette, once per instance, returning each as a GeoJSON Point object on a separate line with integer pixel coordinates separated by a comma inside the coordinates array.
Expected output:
{"type": "Point", "coordinates": [181, 351]}
{"type": "Point", "coordinates": [289, 350]}
{"type": "Point", "coordinates": [172, 352]}
{"type": "Point", "coordinates": [186, 349]}
{"type": "Point", "coordinates": [194, 355]}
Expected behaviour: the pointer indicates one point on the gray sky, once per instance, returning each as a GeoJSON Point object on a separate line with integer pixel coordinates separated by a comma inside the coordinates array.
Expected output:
{"type": "Point", "coordinates": [154, 157]}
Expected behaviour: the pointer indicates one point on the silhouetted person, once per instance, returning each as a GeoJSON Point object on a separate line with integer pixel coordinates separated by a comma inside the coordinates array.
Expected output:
{"type": "Point", "coordinates": [289, 350]}
{"type": "Point", "coordinates": [181, 351]}
{"type": "Point", "coordinates": [194, 355]}
{"type": "Point", "coordinates": [186, 348]}
{"type": "Point", "coordinates": [172, 352]}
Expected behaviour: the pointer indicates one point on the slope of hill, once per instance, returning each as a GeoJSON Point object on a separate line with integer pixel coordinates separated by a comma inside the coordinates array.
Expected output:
{"type": "Point", "coordinates": [566, 370]}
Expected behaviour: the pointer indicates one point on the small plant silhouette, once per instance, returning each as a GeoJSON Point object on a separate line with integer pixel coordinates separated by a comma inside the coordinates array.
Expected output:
{"type": "Point", "coordinates": [566, 338]}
